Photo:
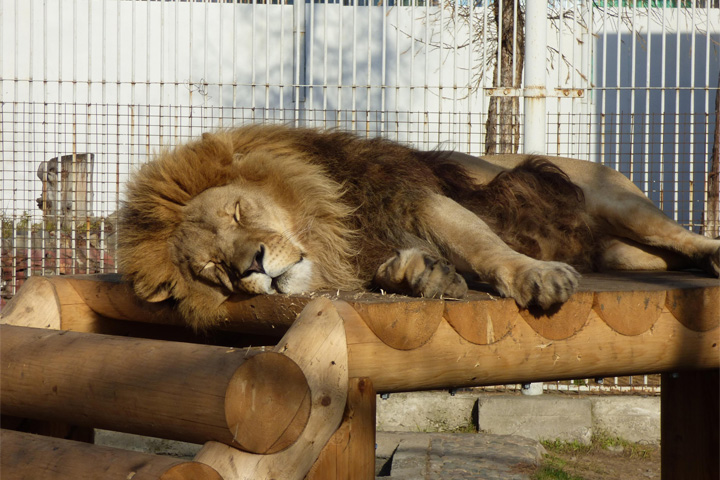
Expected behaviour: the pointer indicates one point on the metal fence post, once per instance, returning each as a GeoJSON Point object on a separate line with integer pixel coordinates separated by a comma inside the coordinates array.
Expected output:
{"type": "Point", "coordinates": [534, 98]}
{"type": "Point", "coordinates": [535, 65]}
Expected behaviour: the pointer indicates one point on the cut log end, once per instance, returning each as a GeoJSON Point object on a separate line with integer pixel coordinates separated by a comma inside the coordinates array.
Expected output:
{"type": "Point", "coordinates": [267, 403]}
{"type": "Point", "coordinates": [191, 471]}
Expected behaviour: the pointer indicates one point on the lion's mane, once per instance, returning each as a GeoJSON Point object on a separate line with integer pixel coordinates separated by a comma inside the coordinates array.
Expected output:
{"type": "Point", "coordinates": [159, 191]}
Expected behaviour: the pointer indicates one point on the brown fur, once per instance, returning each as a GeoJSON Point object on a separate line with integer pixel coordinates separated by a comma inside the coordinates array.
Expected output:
{"type": "Point", "coordinates": [353, 202]}
{"type": "Point", "coordinates": [534, 208]}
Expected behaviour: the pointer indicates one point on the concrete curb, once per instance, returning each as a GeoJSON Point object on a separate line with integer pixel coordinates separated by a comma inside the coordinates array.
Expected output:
{"type": "Point", "coordinates": [546, 417]}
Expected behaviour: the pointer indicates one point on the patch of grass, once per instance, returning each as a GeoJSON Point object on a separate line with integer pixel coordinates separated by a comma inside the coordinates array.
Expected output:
{"type": "Point", "coordinates": [633, 450]}
{"type": "Point", "coordinates": [600, 441]}
{"type": "Point", "coordinates": [553, 469]}
{"type": "Point", "coordinates": [559, 446]}
{"type": "Point", "coordinates": [470, 427]}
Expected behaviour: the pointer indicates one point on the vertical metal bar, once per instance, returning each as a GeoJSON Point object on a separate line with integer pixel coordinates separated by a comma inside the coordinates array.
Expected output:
{"type": "Point", "coordinates": [311, 76]}
{"type": "Point", "coordinates": [281, 81]}
{"type": "Point", "coordinates": [499, 39]}
{"type": "Point", "coordinates": [383, 67]}
{"type": "Point", "coordinates": [708, 221]}
{"type": "Point", "coordinates": [483, 73]}
{"type": "Point", "coordinates": [368, 89]}
{"type": "Point", "coordinates": [559, 102]}
{"type": "Point", "coordinates": [326, 11]}
{"type": "Point", "coordinates": [398, 7]}
{"type": "Point", "coordinates": [633, 72]}
{"type": "Point", "coordinates": [148, 76]}
{"type": "Point", "coordinates": [603, 103]}
{"type": "Point", "coordinates": [253, 78]}
{"type": "Point", "coordinates": [440, 77]}
{"type": "Point", "coordinates": [204, 80]}
{"type": "Point", "coordinates": [648, 125]}
{"type": "Point", "coordinates": [341, 48]}
{"type": "Point", "coordinates": [619, 87]}
{"type": "Point", "coordinates": [354, 66]}
{"type": "Point", "coordinates": [426, 76]}
{"type": "Point", "coordinates": [470, 67]}
{"type": "Point", "coordinates": [661, 166]}
{"type": "Point", "coordinates": [31, 81]}
{"type": "Point", "coordinates": [676, 181]}
{"type": "Point", "coordinates": [267, 55]}
{"type": "Point", "coordinates": [133, 77]}
{"type": "Point", "coordinates": [161, 88]}
{"type": "Point", "coordinates": [534, 93]}
{"type": "Point", "coordinates": [412, 54]}
{"type": "Point", "coordinates": [73, 171]}
{"type": "Point", "coordinates": [454, 109]}
{"type": "Point", "coordinates": [299, 58]}
{"type": "Point", "coordinates": [176, 65]}
{"type": "Point", "coordinates": [691, 153]}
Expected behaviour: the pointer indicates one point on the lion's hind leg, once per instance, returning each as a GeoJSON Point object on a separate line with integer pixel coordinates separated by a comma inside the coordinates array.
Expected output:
{"type": "Point", "coordinates": [617, 253]}
{"type": "Point", "coordinates": [650, 239]}
{"type": "Point", "coordinates": [415, 272]}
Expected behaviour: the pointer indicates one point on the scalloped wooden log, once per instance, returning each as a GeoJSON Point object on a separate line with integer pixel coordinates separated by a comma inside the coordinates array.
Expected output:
{"type": "Point", "coordinates": [523, 355]}
{"type": "Point", "coordinates": [252, 400]}
{"type": "Point", "coordinates": [403, 325]}
{"type": "Point", "coordinates": [23, 455]}
{"type": "Point", "coordinates": [698, 309]}
{"type": "Point", "coordinates": [631, 313]}
{"type": "Point", "coordinates": [318, 344]}
{"type": "Point", "coordinates": [618, 320]}
{"type": "Point", "coordinates": [482, 323]}
{"type": "Point", "coordinates": [561, 321]}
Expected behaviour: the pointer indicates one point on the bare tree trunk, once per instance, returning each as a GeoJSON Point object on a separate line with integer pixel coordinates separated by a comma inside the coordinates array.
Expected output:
{"type": "Point", "coordinates": [503, 112]}
{"type": "Point", "coordinates": [713, 180]}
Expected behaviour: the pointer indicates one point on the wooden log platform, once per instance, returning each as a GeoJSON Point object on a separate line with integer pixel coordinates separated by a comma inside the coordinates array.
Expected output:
{"type": "Point", "coordinates": [617, 324]}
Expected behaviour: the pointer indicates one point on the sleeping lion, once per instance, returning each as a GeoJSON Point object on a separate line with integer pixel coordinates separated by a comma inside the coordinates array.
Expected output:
{"type": "Point", "coordinates": [277, 210]}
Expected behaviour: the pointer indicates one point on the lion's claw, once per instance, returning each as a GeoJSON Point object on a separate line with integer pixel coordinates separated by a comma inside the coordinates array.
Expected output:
{"type": "Point", "coordinates": [543, 284]}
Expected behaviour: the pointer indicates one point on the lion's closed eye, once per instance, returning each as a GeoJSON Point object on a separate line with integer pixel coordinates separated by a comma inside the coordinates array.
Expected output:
{"type": "Point", "coordinates": [237, 217]}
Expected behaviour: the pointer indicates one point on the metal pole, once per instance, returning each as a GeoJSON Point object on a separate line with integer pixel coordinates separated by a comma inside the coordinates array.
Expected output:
{"type": "Point", "coordinates": [299, 59]}
{"type": "Point", "coordinates": [534, 98]}
{"type": "Point", "coordinates": [534, 92]}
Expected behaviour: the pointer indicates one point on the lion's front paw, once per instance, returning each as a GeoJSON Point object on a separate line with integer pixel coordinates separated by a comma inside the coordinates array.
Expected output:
{"type": "Point", "coordinates": [542, 283]}
{"type": "Point", "coordinates": [415, 272]}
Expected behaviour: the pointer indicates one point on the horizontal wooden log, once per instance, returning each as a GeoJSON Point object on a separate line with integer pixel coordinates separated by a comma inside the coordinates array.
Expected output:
{"type": "Point", "coordinates": [524, 355]}
{"type": "Point", "coordinates": [28, 456]}
{"type": "Point", "coordinates": [252, 400]}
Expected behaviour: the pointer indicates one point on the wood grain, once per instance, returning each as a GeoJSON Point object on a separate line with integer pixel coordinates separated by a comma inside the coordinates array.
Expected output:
{"type": "Point", "coordinates": [171, 390]}
{"type": "Point", "coordinates": [317, 343]}
{"type": "Point", "coordinates": [350, 452]}
{"type": "Point", "coordinates": [27, 456]}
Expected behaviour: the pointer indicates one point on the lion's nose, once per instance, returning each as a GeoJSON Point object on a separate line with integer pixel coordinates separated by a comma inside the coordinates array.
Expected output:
{"type": "Point", "coordinates": [256, 266]}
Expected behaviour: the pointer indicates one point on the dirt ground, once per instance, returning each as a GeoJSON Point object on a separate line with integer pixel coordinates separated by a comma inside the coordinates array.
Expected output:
{"type": "Point", "coordinates": [630, 462]}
